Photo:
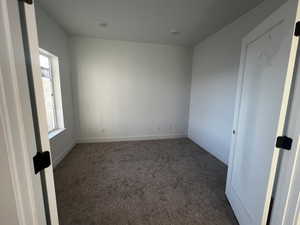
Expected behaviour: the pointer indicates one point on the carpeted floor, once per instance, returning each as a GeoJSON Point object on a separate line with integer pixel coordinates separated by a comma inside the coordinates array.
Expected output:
{"type": "Point", "coordinates": [163, 182]}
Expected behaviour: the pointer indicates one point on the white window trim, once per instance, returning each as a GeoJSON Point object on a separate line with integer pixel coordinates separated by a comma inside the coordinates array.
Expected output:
{"type": "Point", "coordinates": [53, 133]}
{"type": "Point", "coordinates": [59, 119]}
{"type": "Point", "coordinates": [50, 58]}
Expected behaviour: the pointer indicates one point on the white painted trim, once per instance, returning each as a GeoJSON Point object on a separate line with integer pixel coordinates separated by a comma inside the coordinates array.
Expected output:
{"type": "Point", "coordinates": [130, 138]}
{"type": "Point", "coordinates": [296, 217]}
{"type": "Point", "coordinates": [54, 133]}
{"type": "Point", "coordinates": [56, 82]}
{"type": "Point", "coordinates": [57, 160]}
{"type": "Point", "coordinates": [283, 209]}
{"type": "Point", "coordinates": [33, 45]}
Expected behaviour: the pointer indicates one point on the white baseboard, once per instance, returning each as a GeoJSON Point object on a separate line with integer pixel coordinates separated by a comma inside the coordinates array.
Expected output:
{"type": "Point", "coordinates": [132, 138]}
{"type": "Point", "coordinates": [62, 155]}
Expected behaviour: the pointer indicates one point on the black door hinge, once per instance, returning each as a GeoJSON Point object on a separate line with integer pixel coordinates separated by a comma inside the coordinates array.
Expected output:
{"type": "Point", "coordinates": [297, 29]}
{"type": "Point", "coordinates": [27, 1]}
{"type": "Point", "coordinates": [284, 142]}
{"type": "Point", "coordinates": [41, 161]}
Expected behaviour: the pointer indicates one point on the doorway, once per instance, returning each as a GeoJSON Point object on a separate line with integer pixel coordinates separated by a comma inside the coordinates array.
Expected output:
{"type": "Point", "coordinates": [167, 159]}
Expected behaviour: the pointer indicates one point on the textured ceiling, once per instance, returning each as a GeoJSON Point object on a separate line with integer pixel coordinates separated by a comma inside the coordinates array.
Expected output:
{"type": "Point", "coordinates": [146, 20]}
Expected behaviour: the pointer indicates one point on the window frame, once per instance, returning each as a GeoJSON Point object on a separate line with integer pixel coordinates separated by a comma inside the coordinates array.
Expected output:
{"type": "Point", "coordinates": [51, 78]}
{"type": "Point", "coordinates": [56, 93]}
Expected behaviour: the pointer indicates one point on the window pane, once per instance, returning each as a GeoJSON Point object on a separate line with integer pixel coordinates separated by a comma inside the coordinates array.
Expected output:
{"type": "Point", "coordinates": [46, 73]}
{"type": "Point", "coordinates": [49, 102]}
{"type": "Point", "coordinates": [44, 62]}
{"type": "Point", "coordinates": [49, 91]}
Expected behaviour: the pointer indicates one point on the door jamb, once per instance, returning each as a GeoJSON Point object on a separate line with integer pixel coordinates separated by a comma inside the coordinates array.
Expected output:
{"type": "Point", "coordinates": [17, 119]}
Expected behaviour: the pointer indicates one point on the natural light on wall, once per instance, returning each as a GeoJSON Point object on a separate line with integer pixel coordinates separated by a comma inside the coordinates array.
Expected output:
{"type": "Point", "coordinates": [52, 92]}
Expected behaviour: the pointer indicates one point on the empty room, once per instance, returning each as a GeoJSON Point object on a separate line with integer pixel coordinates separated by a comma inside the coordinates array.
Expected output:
{"type": "Point", "coordinates": [150, 112]}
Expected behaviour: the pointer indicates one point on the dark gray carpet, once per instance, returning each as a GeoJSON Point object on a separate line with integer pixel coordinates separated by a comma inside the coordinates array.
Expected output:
{"type": "Point", "coordinates": [163, 182]}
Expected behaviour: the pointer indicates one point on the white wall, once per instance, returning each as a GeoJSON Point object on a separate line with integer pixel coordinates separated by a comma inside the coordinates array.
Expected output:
{"type": "Point", "coordinates": [54, 40]}
{"type": "Point", "coordinates": [214, 78]}
{"type": "Point", "coordinates": [128, 90]}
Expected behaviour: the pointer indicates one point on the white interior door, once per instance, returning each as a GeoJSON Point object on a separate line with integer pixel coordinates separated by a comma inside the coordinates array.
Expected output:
{"type": "Point", "coordinates": [31, 49]}
{"type": "Point", "coordinates": [23, 190]}
{"type": "Point", "coordinates": [265, 77]}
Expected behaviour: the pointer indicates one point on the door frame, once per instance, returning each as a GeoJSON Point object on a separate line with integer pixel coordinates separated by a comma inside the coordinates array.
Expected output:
{"type": "Point", "coordinates": [286, 208]}
{"type": "Point", "coordinates": [283, 212]}
{"type": "Point", "coordinates": [282, 123]}
{"type": "Point", "coordinates": [39, 117]}
{"type": "Point", "coordinates": [16, 116]}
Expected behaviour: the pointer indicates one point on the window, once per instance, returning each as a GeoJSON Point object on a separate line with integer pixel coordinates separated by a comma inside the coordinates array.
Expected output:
{"type": "Point", "coordinates": [52, 93]}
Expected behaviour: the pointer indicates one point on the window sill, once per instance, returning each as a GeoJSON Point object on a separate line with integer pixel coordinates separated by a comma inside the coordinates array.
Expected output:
{"type": "Point", "coordinates": [56, 132]}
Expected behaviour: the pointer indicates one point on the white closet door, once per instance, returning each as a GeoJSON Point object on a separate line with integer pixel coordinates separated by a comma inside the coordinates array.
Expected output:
{"type": "Point", "coordinates": [266, 70]}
